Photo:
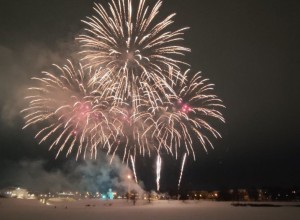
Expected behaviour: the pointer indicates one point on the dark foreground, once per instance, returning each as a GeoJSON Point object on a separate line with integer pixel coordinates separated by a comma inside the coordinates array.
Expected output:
{"type": "Point", "coordinates": [13, 209]}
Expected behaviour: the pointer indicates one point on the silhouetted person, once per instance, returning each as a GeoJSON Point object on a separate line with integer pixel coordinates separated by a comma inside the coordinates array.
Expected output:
{"type": "Point", "coordinates": [149, 197]}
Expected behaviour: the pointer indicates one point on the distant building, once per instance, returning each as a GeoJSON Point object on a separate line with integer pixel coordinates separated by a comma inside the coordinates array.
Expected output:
{"type": "Point", "coordinates": [196, 195]}
{"type": "Point", "coordinates": [15, 192]}
{"type": "Point", "coordinates": [66, 195]}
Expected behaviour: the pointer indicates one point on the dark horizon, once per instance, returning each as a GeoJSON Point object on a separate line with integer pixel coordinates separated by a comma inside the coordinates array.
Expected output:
{"type": "Point", "coordinates": [248, 49]}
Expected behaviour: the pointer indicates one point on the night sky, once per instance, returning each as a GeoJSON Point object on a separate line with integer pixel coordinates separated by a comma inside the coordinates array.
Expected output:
{"type": "Point", "coordinates": [248, 49]}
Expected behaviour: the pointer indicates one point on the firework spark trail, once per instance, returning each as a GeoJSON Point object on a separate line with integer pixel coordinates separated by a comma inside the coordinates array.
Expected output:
{"type": "Point", "coordinates": [133, 167]}
{"type": "Point", "coordinates": [181, 170]}
{"type": "Point", "coordinates": [158, 171]}
{"type": "Point", "coordinates": [132, 137]}
{"type": "Point", "coordinates": [137, 51]}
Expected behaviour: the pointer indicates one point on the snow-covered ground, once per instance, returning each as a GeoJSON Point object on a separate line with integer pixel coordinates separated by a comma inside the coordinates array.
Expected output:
{"type": "Point", "coordinates": [15, 209]}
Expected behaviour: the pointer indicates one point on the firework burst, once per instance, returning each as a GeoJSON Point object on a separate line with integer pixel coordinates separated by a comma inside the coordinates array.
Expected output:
{"type": "Point", "coordinates": [71, 116]}
{"type": "Point", "coordinates": [182, 120]}
{"type": "Point", "coordinates": [130, 96]}
{"type": "Point", "coordinates": [137, 51]}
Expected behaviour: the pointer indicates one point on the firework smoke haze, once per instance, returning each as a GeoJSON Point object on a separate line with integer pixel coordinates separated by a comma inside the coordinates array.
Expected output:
{"type": "Point", "coordinates": [89, 175]}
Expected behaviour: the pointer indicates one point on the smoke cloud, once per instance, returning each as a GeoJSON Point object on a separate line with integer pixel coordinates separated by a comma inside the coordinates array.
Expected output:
{"type": "Point", "coordinates": [92, 176]}
{"type": "Point", "coordinates": [17, 66]}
